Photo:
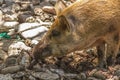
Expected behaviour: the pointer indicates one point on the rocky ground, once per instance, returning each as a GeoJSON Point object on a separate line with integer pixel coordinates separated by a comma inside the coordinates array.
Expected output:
{"type": "Point", "coordinates": [22, 25]}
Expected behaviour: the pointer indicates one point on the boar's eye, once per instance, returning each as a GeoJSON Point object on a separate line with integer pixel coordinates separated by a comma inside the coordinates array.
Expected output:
{"type": "Point", "coordinates": [55, 33]}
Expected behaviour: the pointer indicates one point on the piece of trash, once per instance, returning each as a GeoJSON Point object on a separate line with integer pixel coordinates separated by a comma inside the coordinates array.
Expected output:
{"type": "Point", "coordinates": [4, 35]}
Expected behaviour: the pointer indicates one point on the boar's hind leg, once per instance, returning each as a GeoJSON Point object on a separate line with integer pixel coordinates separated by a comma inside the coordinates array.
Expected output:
{"type": "Point", "coordinates": [101, 55]}
{"type": "Point", "coordinates": [112, 49]}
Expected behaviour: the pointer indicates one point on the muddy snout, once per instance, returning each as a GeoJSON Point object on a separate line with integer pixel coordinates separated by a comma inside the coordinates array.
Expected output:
{"type": "Point", "coordinates": [39, 54]}
{"type": "Point", "coordinates": [46, 51]}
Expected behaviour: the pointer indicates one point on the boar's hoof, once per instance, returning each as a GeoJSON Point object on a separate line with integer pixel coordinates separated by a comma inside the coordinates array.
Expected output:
{"type": "Point", "coordinates": [103, 65]}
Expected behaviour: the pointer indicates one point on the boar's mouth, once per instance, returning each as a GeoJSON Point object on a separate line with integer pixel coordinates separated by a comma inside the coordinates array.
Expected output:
{"type": "Point", "coordinates": [39, 54]}
{"type": "Point", "coordinates": [46, 51]}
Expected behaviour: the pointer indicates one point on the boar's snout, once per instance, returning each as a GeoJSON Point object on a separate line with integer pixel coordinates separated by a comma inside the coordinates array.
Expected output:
{"type": "Point", "coordinates": [39, 53]}
{"type": "Point", "coordinates": [46, 51]}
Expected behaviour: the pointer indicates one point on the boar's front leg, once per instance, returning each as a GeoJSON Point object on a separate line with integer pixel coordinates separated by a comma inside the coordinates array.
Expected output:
{"type": "Point", "coordinates": [101, 55]}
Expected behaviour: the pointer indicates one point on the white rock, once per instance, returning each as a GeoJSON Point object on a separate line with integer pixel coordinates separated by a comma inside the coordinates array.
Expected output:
{"type": "Point", "coordinates": [1, 15]}
{"type": "Point", "coordinates": [8, 17]}
{"type": "Point", "coordinates": [25, 26]}
{"type": "Point", "coordinates": [11, 32]}
{"type": "Point", "coordinates": [10, 24]}
{"type": "Point", "coordinates": [16, 48]}
{"type": "Point", "coordinates": [32, 32]}
{"type": "Point", "coordinates": [34, 42]}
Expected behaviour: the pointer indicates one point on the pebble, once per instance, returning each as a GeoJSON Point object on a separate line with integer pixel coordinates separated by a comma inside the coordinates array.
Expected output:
{"type": "Point", "coordinates": [58, 71]}
{"type": "Point", "coordinates": [1, 15]}
{"type": "Point", "coordinates": [34, 42]}
{"type": "Point", "coordinates": [92, 78]}
{"type": "Point", "coordinates": [46, 75]}
{"type": "Point", "coordinates": [5, 44]}
{"type": "Point", "coordinates": [16, 7]}
{"type": "Point", "coordinates": [53, 2]}
{"type": "Point", "coordinates": [31, 78]}
{"type": "Point", "coordinates": [23, 17]}
{"type": "Point", "coordinates": [5, 77]}
{"type": "Point", "coordinates": [18, 75]}
{"type": "Point", "coordinates": [49, 9]}
{"type": "Point", "coordinates": [99, 75]}
{"type": "Point", "coordinates": [9, 2]}
{"type": "Point", "coordinates": [1, 2]}
{"type": "Point", "coordinates": [12, 69]}
{"type": "Point", "coordinates": [117, 73]}
{"type": "Point", "coordinates": [114, 78]}
{"type": "Point", "coordinates": [38, 11]}
{"type": "Point", "coordinates": [8, 17]}
{"type": "Point", "coordinates": [3, 55]}
{"type": "Point", "coordinates": [82, 76]}
{"type": "Point", "coordinates": [71, 76]}
{"type": "Point", "coordinates": [25, 6]}
{"type": "Point", "coordinates": [24, 59]}
{"type": "Point", "coordinates": [36, 2]}
{"type": "Point", "coordinates": [10, 24]}
{"type": "Point", "coordinates": [10, 61]}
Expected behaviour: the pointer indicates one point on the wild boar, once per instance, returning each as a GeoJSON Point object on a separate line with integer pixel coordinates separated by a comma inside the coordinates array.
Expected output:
{"type": "Point", "coordinates": [84, 24]}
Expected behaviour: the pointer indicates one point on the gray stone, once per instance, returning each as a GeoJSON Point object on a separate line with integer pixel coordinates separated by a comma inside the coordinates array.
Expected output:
{"type": "Point", "coordinates": [18, 75]}
{"type": "Point", "coordinates": [71, 76]}
{"type": "Point", "coordinates": [9, 2]}
{"type": "Point", "coordinates": [5, 77]}
{"type": "Point", "coordinates": [49, 9]}
{"type": "Point", "coordinates": [10, 61]}
{"type": "Point", "coordinates": [3, 55]}
{"type": "Point", "coordinates": [46, 75]}
{"type": "Point", "coordinates": [82, 76]}
{"type": "Point", "coordinates": [117, 72]}
{"type": "Point", "coordinates": [31, 78]}
{"type": "Point", "coordinates": [12, 69]}
{"type": "Point", "coordinates": [92, 78]}
{"type": "Point", "coordinates": [99, 75]}
{"type": "Point", "coordinates": [24, 59]}
{"type": "Point", "coordinates": [1, 2]}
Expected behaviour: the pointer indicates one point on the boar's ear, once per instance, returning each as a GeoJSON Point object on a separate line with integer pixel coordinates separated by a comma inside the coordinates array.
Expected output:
{"type": "Point", "coordinates": [60, 6]}
{"type": "Point", "coordinates": [66, 24]}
